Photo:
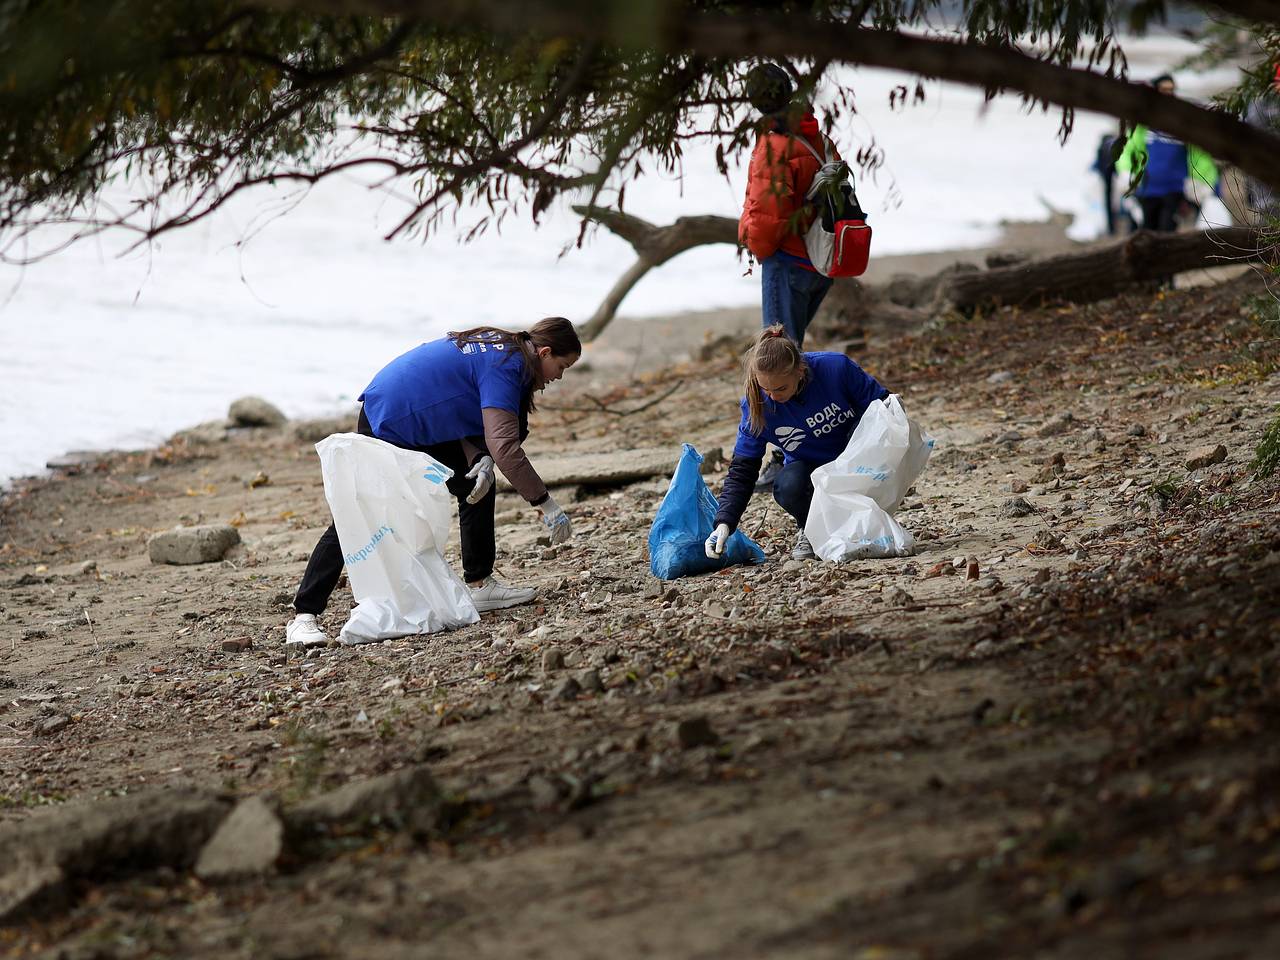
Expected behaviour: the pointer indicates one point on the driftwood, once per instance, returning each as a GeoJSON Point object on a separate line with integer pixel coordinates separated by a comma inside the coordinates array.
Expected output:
{"type": "Point", "coordinates": [655, 246]}
{"type": "Point", "coordinates": [1101, 272]}
{"type": "Point", "coordinates": [1096, 273]}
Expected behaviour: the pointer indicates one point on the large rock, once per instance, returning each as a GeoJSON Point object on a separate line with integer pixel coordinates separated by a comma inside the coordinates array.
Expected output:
{"type": "Point", "coordinates": [408, 798]}
{"type": "Point", "coordinates": [203, 544]}
{"type": "Point", "coordinates": [248, 843]}
{"type": "Point", "coordinates": [255, 412]}
{"type": "Point", "coordinates": [53, 850]}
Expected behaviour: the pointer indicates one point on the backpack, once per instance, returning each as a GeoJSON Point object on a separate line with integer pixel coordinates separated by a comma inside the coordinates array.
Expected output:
{"type": "Point", "coordinates": [838, 241]}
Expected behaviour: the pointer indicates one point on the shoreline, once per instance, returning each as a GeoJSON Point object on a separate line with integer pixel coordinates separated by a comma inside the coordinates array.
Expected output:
{"type": "Point", "coordinates": [643, 344]}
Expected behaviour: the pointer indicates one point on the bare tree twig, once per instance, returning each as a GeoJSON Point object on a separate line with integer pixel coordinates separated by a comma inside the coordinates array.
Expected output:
{"type": "Point", "coordinates": [602, 407]}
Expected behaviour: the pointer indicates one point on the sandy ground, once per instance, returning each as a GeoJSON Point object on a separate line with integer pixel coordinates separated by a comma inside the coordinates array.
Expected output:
{"type": "Point", "coordinates": [1073, 755]}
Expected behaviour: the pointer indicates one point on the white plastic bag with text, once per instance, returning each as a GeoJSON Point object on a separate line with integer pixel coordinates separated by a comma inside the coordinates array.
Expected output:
{"type": "Point", "coordinates": [393, 512]}
{"type": "Point", "coordinates": [855, 495]}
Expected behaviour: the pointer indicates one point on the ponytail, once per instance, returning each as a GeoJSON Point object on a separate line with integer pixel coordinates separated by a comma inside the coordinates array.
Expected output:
{"type": "Point", "coordinates": [773, 352]}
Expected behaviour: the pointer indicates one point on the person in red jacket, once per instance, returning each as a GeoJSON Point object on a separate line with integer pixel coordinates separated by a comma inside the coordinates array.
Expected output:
{"type": "Point", "coordinates": [774, 215]}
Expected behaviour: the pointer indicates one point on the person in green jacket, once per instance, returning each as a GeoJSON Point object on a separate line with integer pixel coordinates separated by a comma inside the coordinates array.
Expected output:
{"type": "Point", "coordinates": [1163, 164]}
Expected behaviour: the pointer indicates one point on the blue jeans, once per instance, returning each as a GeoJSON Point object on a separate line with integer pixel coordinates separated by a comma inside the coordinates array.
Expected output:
{"type": "Point", "coordinates": [790, 294]}
{"type": "Point", "coordinates": [793, 489]}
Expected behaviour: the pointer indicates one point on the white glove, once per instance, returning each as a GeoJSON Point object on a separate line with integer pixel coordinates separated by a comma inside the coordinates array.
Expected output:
{"type": "Point", "coordinates": [482, 474]}
{"type": "Point", "coordinates": [717, 540]}
{"type": "Point", "coordinates": [556, 519]}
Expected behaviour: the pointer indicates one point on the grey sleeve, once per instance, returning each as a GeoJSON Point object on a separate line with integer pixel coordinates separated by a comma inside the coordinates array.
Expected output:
{"type": "Point", "coordinates": [502, 437]}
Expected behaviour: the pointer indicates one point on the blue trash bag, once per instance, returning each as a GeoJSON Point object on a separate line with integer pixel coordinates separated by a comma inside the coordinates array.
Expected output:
{"type": "Point", "coordinates": [678, 536]}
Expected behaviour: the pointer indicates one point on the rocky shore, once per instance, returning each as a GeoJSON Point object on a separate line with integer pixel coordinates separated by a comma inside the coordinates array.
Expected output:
{"type": "Point", "coordinates": [1051, 729]}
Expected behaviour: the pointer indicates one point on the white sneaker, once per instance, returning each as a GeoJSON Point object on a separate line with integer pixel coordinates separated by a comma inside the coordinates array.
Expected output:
{"type": "Point", "coordinates": [803, 550]}
{"type": "Point", "coordinates": [772, 467]}
{"type": "Point", "coordinates": [303, 631]}
{"type": "Point", "coordinates": [493, 594]}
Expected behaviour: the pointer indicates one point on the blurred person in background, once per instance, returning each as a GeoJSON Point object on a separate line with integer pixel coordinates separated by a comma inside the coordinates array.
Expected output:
{"type": "Point", "coordinates": [1163, 164]}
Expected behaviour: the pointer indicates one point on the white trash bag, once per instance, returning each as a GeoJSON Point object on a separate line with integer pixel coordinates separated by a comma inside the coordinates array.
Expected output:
{"type": "Point", "coordinates": [855, 494]}
{"type": "Point", "coordinates": [393, 513]}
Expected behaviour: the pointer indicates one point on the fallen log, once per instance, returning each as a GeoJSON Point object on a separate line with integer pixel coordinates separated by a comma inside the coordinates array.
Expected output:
{"type": "Point", "coordinates": [655, 246]}
{"type": "Point", "coordinates": [1101, 272]}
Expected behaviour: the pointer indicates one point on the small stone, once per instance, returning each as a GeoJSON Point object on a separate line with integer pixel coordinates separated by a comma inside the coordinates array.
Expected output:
{"type": "Point", "coordinates": [89, 567]}
{"type": "Point", "coordinates": [1047, 541]}
{"type": "Point", "coordinates": [1009, 436]}
{"type": "Point", "coordinates": [552, 659]}
{"type": "Point", "coordinates": [52, 725]}
{"type": "Point", "coordinates": [1016, 507]}
{"type": "Point", "coordinates": [1137, 430]}
{"type": "Point", "coordinates": [248, 843]}
{"type": "Point", "coordinates": [186, 545]}
{"type": "Point", "coordinates": [237, 646]}
{"type": "Point", "coordinates": [590, 681]}
{"type": "Point", "coordinates": [898, 597]}
{"type": "Point", "coordinates": [255, 412]}
{"type": "Point", "coordinates": [1057, 426]}
{"type": "Point", "coordinates": [695, 732]}
{"type": "Point", "coordinates": [566, 689]}
{"type": "Point", "coordinates": [544, 792]}
{"type": "Point", "coordinates": [1018, 485]}
{"type": "Point", "coordinates": [1000, 376]}
{"type": "Point", "coordinates": [1206, 456]}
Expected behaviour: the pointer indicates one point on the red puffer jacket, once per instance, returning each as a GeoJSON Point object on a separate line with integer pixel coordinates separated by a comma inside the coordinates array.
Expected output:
{"type": "Point", "coordinates": [779, 176]}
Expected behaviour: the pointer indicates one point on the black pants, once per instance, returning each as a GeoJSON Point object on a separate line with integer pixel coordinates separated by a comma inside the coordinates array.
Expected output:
{"type": "Point", "coordinates": [475, 521]}
{"type": "Point", "coordinates": [1161, 213]}
{"type": "Point", "coordinates": [793, 489]}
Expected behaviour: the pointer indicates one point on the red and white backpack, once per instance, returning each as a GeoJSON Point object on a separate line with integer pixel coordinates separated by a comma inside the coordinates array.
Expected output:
{"type": "Point", "coordinates": [838, 241]}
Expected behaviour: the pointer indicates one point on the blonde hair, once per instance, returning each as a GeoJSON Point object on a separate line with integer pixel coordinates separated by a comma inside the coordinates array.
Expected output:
{"type": "Point", "coordinates": [775, 353]}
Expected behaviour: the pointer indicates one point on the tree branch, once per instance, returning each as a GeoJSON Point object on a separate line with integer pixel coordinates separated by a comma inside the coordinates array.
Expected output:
{"type": "Point", "coordinates": [672, 28]}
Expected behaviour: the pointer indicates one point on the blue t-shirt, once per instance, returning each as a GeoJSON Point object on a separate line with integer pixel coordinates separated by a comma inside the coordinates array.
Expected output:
{"type": "Point", "coordinates": [435, 392]}
{"type": "Point", "coordinates": [815, 424]}
{"type": "Point", "coordinates": [1166, 167]}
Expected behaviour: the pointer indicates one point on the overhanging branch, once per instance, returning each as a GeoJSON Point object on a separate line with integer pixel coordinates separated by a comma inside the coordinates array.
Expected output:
{"type": "Point", "coordinates": [668, 26]}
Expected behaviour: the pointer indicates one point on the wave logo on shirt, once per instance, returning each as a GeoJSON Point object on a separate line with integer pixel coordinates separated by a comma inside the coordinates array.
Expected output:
{"type": "Point", "coordinates": [789, 437]}
{"type": "Point", "coordinates": [436, 474]}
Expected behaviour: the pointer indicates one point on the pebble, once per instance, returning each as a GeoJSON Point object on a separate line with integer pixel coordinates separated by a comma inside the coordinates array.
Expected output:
{"type": "Point", "coordinates": [1058, 425]}
{"type": "Point", "coordinates": [590, 681]}
{"type": "Point", "coordinates": [1206, 456]}
{"type": "Point", "coordinates": [695, 732]}
{"type": "Point", "coordinates": [552, 659]}
{"type": "Point", "coordinates": [1000, 376]}
{"type": "Point", "coordinates": [1016, 507]}
{"type": "Point", "coordinates": [52, 725]}
{"type": "Point", "coordinates": [1137, 430]}
{"type": "Point", "coordinates": [566, 689]}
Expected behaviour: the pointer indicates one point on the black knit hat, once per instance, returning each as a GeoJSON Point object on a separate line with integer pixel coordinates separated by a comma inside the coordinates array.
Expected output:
{"type": "Point", "coordinates": [769, 88]}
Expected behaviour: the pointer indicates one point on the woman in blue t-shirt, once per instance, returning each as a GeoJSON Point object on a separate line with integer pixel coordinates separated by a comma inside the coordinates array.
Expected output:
{"type": "Point", "coordinates": [465, 400]}
{"type": "Point", "coordinates": [808, 404]}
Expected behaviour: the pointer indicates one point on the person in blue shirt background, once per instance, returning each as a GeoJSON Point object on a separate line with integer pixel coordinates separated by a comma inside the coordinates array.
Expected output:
{"type": "Point", "coordinates": [808, 404]}
{"type": "Point", "coordinates": [1164, 163]}
{"type": "Point", "coordinates": [465, 400]}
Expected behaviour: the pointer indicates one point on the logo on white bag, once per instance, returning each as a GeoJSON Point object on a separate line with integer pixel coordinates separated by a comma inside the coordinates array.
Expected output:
{"type": "Point", "coordinates": [435, 473]}
{"type": "Point", "coordinates": [368, 548]}
{"type": "Point", "coordinates": [789, 437]}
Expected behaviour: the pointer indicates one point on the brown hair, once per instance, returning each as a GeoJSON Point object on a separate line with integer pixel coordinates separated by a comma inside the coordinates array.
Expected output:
{"type": "Point", "coordinates": [773, 352]}
{"type": "Point", "coordinates": [554, 332]}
